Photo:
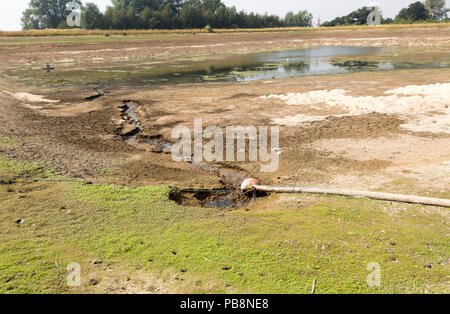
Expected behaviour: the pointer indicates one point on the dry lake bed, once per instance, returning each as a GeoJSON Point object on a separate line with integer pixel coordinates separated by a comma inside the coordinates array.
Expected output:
{"type": "Point", "coordinates": [87, 176]}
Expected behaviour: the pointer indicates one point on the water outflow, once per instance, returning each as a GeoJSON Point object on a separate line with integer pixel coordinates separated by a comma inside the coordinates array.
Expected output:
{"type": "Point", "coordinates": [228, 197]}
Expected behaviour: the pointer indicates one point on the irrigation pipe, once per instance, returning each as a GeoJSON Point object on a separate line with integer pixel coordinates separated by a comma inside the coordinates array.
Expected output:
{"type": "Point", "coordinates": [353, 193]}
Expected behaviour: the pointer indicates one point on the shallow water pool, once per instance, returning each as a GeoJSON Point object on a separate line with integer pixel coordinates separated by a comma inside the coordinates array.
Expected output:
{"type": "Point", "coordinates": [282, 64]}
{"type": "Point", "coordinates": [238, 68]}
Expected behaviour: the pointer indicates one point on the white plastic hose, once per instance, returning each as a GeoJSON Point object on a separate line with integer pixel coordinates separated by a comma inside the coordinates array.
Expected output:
{"type": "Point", "coordinates": [353, 193]}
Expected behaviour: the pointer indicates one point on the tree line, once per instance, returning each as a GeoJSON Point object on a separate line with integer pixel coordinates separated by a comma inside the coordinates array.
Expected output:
{"type": "Point", "coordinates": [156, 14]}
{"type": "Point", "coordinates": [188, 14]}
{"type": "Point", "coordinates": [426, 11]}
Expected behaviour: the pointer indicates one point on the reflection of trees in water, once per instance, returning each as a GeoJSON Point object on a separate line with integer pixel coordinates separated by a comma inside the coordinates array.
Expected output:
{"type": "Point", "coordinates": [222, 72]}
{"type": "Point", "coordinates": [356, 64]}
{"type": "Point", "coordinates": [301, 67]}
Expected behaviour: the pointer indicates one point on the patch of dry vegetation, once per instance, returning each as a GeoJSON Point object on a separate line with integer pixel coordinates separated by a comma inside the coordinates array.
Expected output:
{"type": "Point", "coordinates": [84, 32]}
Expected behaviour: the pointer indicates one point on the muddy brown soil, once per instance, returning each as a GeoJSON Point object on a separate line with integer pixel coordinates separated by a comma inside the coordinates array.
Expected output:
{"type": "Point", "coordinates": [84, 145]}
{"type": "Point", "coordinates": [87, 133]}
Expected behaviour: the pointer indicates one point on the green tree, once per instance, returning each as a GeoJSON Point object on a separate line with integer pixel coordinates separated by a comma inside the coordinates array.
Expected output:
{"type": "Point", "coordinates": [168, 18]}
{"type": "Point", "coordinates": [45, 13]}
{"type": "Point", "coordinates": [30, 19]}
{"type": "Point", "coordinates": [108, 18]}
{"type": "Point", "coordinates": [210, 18]}
{"type": "Point", "coordinates": [131, 18]}
{"type": "Point", "coordinates": [413, 13]}
{"type": "Point", "coordinates": [302, 19]}
{"type": "Point", "coordinates": [144, 18]}
{"type": "Point", "coordinates": [91, 17]}
{"type": "Point", "coordinates": [436, 9]}
{"type": "Point", "coordinates": [418, 11]}
{"type": "Point", "coordinates": [221, 18]}
{"type": "Point", "coordinates": [138, 5]}
{"type": "Point", "coordinates": [358, 17]}
{"type": "Point", "coordinates": [191, 14]}
{"type": "Point", "coordinates": [402, 15]}
{"type": "Point", "coordinates": [118, 19]}
{"type": "Point", "coordinates": [156, 20]}
{"type": "Point", "coordinates": [212, 5]}
{"type": "Point", "coordinates": [144, 14]}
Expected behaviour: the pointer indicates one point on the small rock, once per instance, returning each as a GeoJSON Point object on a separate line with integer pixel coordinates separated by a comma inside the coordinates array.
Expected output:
{"type": "Point", "coordinates": [156, 149]}
{"type": "Point", "coordinates": [226, 268]}
{"type": "Point", "coordinates": [129, 129]}
{"type": "Point", "coordinates": [428, 265]}
{"type": "Point", "coordinates": [93, 282]}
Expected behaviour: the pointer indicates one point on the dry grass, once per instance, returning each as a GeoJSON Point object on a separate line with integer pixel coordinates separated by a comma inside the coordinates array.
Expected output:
{"type": "Point", "coordinates": [83, 32]}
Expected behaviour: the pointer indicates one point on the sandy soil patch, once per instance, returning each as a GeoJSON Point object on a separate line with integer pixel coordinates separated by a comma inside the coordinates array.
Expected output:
{"type": "Point", "coordinates": [116, 281]}
{"type": "Point", "coordinates": [22, 96]}
{"type": "Point", "coordinates": [419, 162]}
{"type": "Point", "coordinates": [426, 108]}
{"type": "Point", "coordinates": [402, 150]}
{"type": "Point", "coordinates": [70, 110]}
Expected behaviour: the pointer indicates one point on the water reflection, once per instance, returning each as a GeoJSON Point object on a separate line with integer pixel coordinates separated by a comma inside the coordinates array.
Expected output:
{"type": "Point", "coordinates": [258, 66]}
{"type": "Point", "coordinates": [272, 65]}
{"type": "Point", "coordinates": [286, 64]}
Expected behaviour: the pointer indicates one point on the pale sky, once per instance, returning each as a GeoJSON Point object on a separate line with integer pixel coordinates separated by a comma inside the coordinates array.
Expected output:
{"type": "Point", "coordinates": [11, 11]}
